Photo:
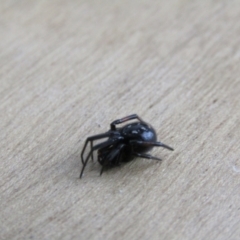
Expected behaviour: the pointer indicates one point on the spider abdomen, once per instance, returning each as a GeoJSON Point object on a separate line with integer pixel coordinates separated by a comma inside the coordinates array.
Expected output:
{"type": "Point", "coordinates": [139, 131]}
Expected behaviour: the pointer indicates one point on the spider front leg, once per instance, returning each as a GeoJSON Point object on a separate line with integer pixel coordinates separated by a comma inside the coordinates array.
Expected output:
{"type": "Point", "coordinates": [96, 147]}
{"type": "Point", "coordinates": [91, 139]}
{"type": "Point", "coordinates": [113, 154]}
{"type": "Point", "coordinates": [150, 144]}
{"type": "Point", "coordinates": [125, 119]}
{"type": "Point", "coordinates": [144, 155]}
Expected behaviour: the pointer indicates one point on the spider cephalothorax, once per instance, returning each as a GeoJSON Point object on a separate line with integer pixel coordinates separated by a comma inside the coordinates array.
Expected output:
{"type": "Point", "coordinates": [123, 144]}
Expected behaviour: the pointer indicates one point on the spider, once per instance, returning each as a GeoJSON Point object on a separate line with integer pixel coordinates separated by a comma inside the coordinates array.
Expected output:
{"type": "Point", "coordinates": [123, 144]}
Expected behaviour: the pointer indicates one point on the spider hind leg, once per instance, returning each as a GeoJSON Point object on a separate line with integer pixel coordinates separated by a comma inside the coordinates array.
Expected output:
{"type": "Point", "coordinates": [125, 119]}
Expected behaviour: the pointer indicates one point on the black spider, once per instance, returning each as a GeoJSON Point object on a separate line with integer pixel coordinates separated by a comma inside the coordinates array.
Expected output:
{"type": "Point", "coordinates": [123, 143]}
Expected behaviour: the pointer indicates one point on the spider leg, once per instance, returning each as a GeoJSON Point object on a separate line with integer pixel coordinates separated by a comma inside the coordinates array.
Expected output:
{"type": "Point", "coordinates": [125, 119]}
{"type": "Point", "coordinates": [91, 148]}
{"type": "Point", "coordinates": [144, 155]}
{"type": "Point", "coordinates": [102, 170]}
{"type": "Point", "coordinates": [119, 153]}
{"type": "Point", "coordinates": [91, 139]}
{"type": "Point", "coordinates": [100, 145]}
{"type": "Point", "coordinates": [111, 156]}
{"type": "Point", "coordinates": [153, 144]}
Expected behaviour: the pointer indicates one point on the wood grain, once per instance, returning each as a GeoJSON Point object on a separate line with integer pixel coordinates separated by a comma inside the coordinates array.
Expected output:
{"type": "Point", "coordinates": [69, 68]}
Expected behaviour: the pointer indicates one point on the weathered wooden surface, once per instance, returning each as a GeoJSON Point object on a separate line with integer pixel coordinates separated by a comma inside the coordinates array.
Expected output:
{"type": "Point", "coordinates": [69, 68]}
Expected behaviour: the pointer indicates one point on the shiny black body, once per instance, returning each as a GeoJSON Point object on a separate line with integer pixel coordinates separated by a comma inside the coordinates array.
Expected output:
{"type": "Point", "coordinates": [123, 144]}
